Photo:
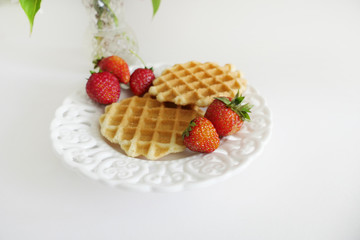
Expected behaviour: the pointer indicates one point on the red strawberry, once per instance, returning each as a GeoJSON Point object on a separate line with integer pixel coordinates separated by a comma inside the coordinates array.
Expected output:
{"type": "Point", "coordinates": [201, 136]}
{"type": "Point", "coordinates": [115, 65]}
{"type": "Point", "coordinates": [141, 80]}
{"type": "Point", "coordinates": [227, 115]}
{"type": "Point", "coordinates": [103, 87]}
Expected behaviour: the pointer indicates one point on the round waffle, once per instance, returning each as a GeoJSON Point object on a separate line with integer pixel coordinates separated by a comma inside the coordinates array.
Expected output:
{"type": "Point", "coordinates": [144, 126]}
{"type": "Point", "coordinates": [197, 83]}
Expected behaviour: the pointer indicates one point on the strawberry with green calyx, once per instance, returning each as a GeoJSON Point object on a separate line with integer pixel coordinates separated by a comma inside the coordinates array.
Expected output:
{"type": "Point", "coordinates": [103, 87]}
{"type": "Point", "coordinates": [141, 80]}
{"type": "Point", "coordinates": [228, 115]}
{"type": "Point", "coordinates": [115, 65]}
{"type": "Point", "coordinates": [201, 136]}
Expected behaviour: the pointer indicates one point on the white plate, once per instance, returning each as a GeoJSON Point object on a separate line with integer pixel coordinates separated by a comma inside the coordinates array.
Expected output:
{"type": "Point", "coordinates": [76, 138]}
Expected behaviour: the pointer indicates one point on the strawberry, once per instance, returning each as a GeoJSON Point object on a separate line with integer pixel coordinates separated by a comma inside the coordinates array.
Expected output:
{"type": "Point", "coordinates": [103, 87]}
{"type": "Point", "coordinates": [115, 65]}
{"type": "Point", "coordinates": [141, 80]}
{"type": "Point", "coordinates": [228, 115]}
{"type": "Point", "coordinates": [201, 136]}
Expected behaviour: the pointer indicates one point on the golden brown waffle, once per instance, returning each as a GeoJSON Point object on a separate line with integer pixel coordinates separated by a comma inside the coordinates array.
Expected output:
{"type": "Point", "coordinates": [144, 126]}
{"type": "Point", "coordinates": [197, 83]}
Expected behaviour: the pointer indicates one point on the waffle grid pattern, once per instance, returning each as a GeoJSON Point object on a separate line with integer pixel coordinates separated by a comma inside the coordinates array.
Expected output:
{"type": "Point", "coordinates": [144, 126]}
{"type": "Point", "coordinates": [197, 83]}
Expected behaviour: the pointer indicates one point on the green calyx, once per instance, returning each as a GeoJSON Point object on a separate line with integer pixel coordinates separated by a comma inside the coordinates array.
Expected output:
{"type": "Point", "coordinates": [97, 61]}
{"type": "Point", "coordinates": [188, 129]}
{"type": "Point", "coordinates": [236, 105]}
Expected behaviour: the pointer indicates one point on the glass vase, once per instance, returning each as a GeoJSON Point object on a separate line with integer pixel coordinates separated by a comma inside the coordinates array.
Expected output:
{"type": "Point", "coordinates": [110, 34]}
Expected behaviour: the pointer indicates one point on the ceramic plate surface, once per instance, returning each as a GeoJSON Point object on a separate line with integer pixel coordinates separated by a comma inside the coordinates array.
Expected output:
{"type": "Point", "coordinates": [77, 140]}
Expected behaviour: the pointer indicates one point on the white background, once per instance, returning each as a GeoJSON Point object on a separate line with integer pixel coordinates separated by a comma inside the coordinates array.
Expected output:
{"type": "Point", "coordinates": [303, 57]}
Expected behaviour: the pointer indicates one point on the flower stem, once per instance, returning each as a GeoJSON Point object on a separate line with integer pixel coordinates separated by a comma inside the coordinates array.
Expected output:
{"type": "Point", "coordinates": [138, 57]}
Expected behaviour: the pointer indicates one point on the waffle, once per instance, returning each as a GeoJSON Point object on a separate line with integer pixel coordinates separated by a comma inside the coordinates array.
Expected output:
{"type": "Point", "coordinates": [197, 83]}
{"type": "Point", "coordinates": [144, 126]}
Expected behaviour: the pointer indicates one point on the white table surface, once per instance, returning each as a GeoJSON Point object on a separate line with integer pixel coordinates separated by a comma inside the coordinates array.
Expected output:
{"type": "Point", "coordinates": [303, 56]}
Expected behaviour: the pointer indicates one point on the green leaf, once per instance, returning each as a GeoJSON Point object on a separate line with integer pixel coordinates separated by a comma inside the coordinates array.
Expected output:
{"type": "Point", "coordinates": [247, 107]}
{"type": "Point", "coordinates": [238, 100]}
{"type": "Point", "coordinates": [224, 100]}
{"type": "Point", "coordinates": [187, 131]}
{"type": "Point", "coordinates": [30, 7]}
{"type": "Point", "coordinates": [246, 116]}
{"type": "Point", "coordinates": [156, 5]}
